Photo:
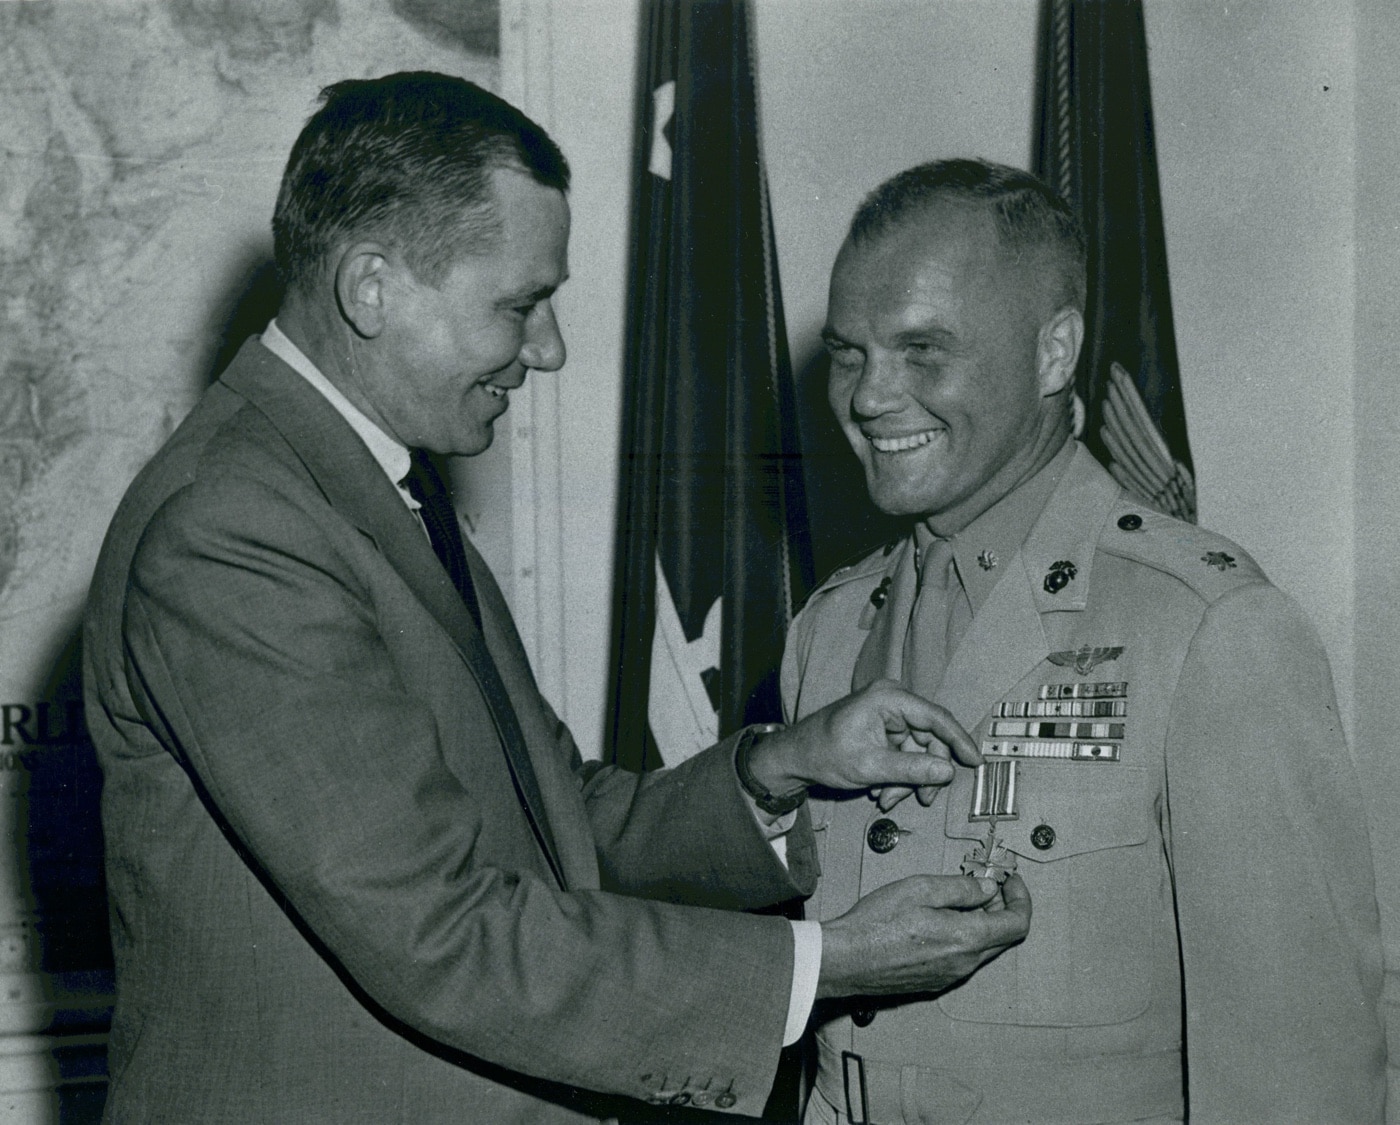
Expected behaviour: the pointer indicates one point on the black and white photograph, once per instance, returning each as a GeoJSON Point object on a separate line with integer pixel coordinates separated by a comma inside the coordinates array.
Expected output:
{"type": "Point", "coordinates": [665, 562]}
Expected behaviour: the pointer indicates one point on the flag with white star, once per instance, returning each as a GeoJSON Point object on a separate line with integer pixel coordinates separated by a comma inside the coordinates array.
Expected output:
{"type": "Point", "coordinates": [712, 547]}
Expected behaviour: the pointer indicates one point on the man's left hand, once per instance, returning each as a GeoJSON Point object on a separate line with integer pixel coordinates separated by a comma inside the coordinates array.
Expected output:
{"type": "Point", "coordinates": [882, 738]}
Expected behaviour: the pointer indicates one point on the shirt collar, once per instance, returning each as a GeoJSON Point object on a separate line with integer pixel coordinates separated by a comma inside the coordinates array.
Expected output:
{"type": "Point", "coordinates": [982, 549]}
{"type": "Point", "coordinates": [392, 457]}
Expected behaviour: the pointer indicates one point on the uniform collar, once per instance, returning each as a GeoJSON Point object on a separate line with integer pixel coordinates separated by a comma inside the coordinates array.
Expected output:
{"type": "Point", "coordinates": [985, 547]}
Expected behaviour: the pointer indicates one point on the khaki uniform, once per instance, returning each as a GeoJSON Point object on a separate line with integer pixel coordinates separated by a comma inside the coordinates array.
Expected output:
{"type": "Point", "coordinates": [1175, 785]}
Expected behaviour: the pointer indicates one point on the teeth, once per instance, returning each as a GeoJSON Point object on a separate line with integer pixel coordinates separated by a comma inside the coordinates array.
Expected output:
{"type": "Point", "coordinates": [899, 444]}
{"type": "Point", "coordinates": [493, 390]}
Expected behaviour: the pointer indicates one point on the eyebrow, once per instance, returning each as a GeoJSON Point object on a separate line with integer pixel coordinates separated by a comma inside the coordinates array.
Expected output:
{"type": "Point", "coordinates": [832, 338]}
{"type": "Point", "coordinates": [533, 296]}
{"type": "Point", "coordinates": [936, 335]}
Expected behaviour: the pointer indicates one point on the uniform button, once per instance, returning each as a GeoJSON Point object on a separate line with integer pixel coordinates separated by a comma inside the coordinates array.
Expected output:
{"type": "Point", "coordinates": [1131, 522]}
{"type": "Point", "coordinates": [680, 1099]}
{"type": "Point", "coordinates": [701, 1098]}
{"type": "Point", "coordinates": [883, 835]}
{"type": "Point", "coordinates": [863, 1017]}
{"type": "Point", "coordinates": [725, 1100]}
{"type": "Point", "coordinates": [1043, 837]}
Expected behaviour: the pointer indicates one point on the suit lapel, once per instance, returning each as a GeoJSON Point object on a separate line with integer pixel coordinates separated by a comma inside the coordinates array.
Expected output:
{"type": "Point", "coordinates": [355, 485]}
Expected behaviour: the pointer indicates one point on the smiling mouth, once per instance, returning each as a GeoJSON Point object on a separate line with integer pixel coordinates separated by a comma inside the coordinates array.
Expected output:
{"type": "Point", "coordinates": [901, 444]}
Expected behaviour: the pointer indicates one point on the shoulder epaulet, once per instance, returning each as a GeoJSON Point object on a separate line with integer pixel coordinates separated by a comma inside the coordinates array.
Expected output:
{"type": "Point", "coordinates": [1208, 563]}
{"type": "Point", "coordinates": [872, 562]}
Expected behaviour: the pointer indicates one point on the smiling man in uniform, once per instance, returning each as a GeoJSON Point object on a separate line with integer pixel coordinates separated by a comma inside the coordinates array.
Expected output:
{"type": "Point", "coordinates": [1164, 762]}
{"type": "Point", "coordinates": [357, 870]}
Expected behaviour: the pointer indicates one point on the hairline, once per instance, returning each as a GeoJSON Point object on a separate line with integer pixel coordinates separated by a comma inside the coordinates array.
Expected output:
{"type": "Point", "coordinates": [1016, 255]}
{"type": "Point", "coordinates": [484, 214]}
{"type": "Point", "coordinates": [1067, 265]}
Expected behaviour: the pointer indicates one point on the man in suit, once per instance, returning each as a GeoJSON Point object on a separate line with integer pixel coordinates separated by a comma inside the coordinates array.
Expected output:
{"type": "Point", "coordinates": [357, 870]}
{"type": "Point", "coordinates": [1164, 762]}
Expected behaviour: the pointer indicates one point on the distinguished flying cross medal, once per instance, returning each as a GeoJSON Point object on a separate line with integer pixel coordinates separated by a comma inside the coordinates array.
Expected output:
{"type": "Point", "coordinates": [991, 859]}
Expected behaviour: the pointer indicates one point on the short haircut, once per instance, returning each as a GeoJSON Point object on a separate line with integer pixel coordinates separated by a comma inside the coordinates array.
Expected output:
{"type": "Point", "coordinates": [1029, 216]}
{"type": "Point", "coordinates": [406, 158]}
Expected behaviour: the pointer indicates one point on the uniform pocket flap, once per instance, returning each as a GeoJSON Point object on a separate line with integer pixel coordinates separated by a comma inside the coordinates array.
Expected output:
{"type": "Point", "coordinates": [1063, 809]}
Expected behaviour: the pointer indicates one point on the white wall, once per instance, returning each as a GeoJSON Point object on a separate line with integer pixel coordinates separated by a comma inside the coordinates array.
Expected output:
{"type": "Point", "coordinates": [593, 48]}
{"type": "Point", "coordinates": [853, 92]}
{"type": "Point", "coordinates": [1254, 111]}
{"type": "Point", "coordinates": [1377, 424]}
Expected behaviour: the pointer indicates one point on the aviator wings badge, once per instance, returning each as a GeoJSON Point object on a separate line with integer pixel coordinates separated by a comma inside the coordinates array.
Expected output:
{"type": "Point", "coordinates": [1085, 659]}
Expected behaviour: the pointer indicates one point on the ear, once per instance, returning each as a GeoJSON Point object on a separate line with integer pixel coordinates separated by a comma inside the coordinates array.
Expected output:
{"type": "Point", "coordinates": [360, 275]}
{"type": "Point", "coordinates": [1057, 350]}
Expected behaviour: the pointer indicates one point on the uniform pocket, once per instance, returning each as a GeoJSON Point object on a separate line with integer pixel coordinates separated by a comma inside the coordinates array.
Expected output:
{"type": "Point", "coordinates": [1083, 840]}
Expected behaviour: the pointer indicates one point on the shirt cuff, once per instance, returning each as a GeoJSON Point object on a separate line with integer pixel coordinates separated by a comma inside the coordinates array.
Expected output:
{"type": "Point", "coordinates": [774, 828]}
{"type": "Point", "coordinates": [806, 971]}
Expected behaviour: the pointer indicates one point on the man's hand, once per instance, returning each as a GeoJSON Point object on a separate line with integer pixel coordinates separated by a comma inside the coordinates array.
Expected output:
{"type": "Point", "coordinates": [921, 934]}
{"type": "Point", "coordinates": [879, 736]}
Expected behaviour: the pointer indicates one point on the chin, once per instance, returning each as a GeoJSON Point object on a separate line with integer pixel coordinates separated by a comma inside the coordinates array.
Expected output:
{"type": "Point", "coordinates": [478, 442]}
{"type": "Point", "coordinates": [897, 500]}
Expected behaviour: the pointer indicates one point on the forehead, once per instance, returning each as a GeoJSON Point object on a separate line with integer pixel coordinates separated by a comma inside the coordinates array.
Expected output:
{"type": "Point", "coordinates": [528, 244]}
{"type": "Point", "coordinates": [949, 253]}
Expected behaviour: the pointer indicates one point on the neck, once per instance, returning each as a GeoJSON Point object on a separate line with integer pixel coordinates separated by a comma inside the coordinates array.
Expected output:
{"type": "Point", "coordinates": [322, 338]}
{"type": "Point", "coordinates": [1050, 440]}
{"type": "Point", "coordinates": [331, 344]}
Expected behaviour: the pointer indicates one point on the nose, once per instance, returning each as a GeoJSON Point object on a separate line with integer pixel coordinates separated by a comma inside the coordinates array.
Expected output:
{"type": "Point", "coordinates": [878, 388]}
{"type": "Point", "coordinates": [543, 349]}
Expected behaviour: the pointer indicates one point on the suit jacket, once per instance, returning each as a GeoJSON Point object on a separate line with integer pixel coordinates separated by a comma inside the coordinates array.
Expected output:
{"type": "Point", "coordinates": [337, 895]}
{"type": "Point", "coordinates": [1205, 931]}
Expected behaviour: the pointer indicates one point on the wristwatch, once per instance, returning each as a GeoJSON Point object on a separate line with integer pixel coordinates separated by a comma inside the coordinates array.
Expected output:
{"type": "Point", "coordinates": [778, 804]}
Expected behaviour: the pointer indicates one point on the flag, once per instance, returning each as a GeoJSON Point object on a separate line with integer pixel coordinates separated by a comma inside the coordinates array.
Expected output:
{"type": "Point", "coordinates": [712, 548]}
{"type": "Point", "coordinates": [1097, 148]}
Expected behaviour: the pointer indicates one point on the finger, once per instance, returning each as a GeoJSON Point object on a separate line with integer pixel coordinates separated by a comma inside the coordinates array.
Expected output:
{"type": "Point", "coordinates": [925, 794]}
{"type": "Point", "coordinates": [966, 752]}
{"type": "Point", "coordinates": [1016, 896]}
{"type": "Point", "coordinates": [910, 713]}
{"type": "Point", "coordinates": [890, 795]}
{"type": "Point", "coordinates": [900, 768]}
{"type": "Point", "coordinates": [1016, 909]}
{"type": "Point", "coordinates": [956, 892]}
{"type": "Point", "coordinates": [1001, 929]}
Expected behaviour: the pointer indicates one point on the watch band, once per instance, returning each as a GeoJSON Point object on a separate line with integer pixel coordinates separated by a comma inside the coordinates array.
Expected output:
{"type": "Point", "coordinates": [778, 804]}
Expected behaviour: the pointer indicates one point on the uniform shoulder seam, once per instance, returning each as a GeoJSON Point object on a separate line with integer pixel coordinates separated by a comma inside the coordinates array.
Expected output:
{"type": "Point", "coordinates": [1205, 562]}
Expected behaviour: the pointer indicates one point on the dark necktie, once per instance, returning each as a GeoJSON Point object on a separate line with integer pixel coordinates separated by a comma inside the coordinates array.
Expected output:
{"type": "Point", "coordinates": [444, 532]}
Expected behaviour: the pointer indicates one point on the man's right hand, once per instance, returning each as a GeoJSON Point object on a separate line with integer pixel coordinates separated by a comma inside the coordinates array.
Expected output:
{"type": "Point", "coordinates": [921, 934]}
{"type": "Point", "coordinates": [879, 737]}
